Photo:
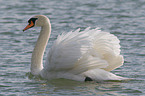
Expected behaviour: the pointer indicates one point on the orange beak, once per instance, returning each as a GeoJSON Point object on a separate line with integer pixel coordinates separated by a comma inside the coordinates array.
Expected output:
{"type": "Point", "coordinates": [29, 26]}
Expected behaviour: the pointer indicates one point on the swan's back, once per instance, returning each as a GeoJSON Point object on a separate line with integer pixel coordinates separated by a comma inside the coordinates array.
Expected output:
{"type": "Point", "coordinates": [81, 52]}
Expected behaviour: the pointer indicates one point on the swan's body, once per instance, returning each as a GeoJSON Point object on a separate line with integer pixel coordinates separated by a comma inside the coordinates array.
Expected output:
{"type": "Point", "coordinates": [80, 56]}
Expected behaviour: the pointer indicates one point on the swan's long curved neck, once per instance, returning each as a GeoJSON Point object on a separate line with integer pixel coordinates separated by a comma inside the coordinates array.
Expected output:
{"type": "Point", "coordinates": [38, 52]}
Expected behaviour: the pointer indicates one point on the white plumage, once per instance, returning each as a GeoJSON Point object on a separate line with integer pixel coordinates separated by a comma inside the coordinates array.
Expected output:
{"type": "Point", "coordinates": [76, 55]}
{"type": "Point", "coordinates": [87, 53]}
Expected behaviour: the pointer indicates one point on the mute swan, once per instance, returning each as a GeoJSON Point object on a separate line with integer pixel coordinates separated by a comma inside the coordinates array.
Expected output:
{"type": "Point", "coordinates": [88, 55]}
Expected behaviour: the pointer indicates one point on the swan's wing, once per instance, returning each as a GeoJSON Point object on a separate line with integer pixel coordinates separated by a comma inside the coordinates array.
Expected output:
{"type": "Point", "coordinates": [78, 52]}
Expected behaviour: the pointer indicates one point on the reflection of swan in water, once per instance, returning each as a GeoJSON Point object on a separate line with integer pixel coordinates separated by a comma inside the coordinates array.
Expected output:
{"type": "Point", "coordinates": [81, 56]}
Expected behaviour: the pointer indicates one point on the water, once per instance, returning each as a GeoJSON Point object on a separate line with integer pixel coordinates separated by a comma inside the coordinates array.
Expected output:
{"type": "Point", "coordinates": [124, 18]}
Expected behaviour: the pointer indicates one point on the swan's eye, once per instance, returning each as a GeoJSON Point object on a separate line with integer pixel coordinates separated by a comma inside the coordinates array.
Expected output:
{"type": "Point", "coordinates": [32, 19]}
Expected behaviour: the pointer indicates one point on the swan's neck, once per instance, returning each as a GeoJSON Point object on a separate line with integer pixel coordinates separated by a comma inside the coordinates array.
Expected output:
{"type": "Point", "coordinates": [38, 52]}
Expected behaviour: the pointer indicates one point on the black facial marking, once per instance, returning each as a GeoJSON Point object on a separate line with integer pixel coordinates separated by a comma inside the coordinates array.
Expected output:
{"type": "Point", "coordinates": [32, 19]}
{"type": "Point", "coordinates": [88, 79]}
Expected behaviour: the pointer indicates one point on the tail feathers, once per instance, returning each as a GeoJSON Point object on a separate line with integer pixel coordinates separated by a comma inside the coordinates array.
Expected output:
{"type": "Point", "coordinates": [100, 74]}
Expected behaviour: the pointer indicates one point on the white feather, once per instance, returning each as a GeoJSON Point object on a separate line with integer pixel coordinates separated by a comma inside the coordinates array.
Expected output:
{"type": "Point", "coordinates": [89, 52]}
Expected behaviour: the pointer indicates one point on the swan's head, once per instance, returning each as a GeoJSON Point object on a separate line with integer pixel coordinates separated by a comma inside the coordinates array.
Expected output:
{"type": "Point", "coordinates": [36, 21]}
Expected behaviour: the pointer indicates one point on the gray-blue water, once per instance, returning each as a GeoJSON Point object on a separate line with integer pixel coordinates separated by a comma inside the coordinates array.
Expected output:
{"type": "Point", "coordinates": [123, 18]}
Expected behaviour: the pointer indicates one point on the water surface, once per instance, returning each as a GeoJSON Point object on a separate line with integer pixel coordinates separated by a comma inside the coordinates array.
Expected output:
{"type": "Point", "coordinates": [123, 18]}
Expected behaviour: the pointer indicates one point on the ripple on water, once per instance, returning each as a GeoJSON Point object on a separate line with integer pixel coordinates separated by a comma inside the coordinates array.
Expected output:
{"type": "Point", "coordinates": [125, 19]}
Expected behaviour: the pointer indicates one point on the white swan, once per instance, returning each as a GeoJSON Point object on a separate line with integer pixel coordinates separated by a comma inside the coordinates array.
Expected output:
{"type": "Point", "coordinates": [82, 56]}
